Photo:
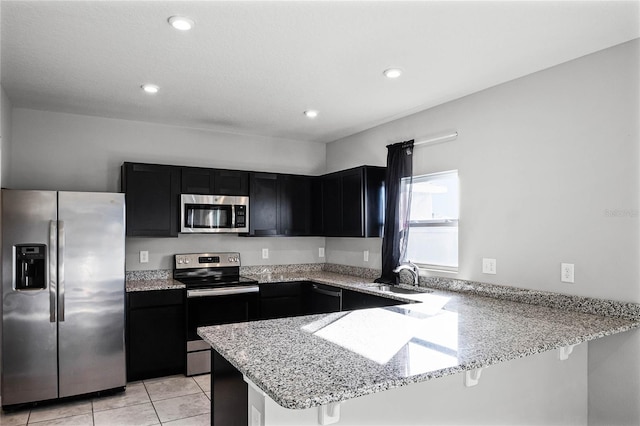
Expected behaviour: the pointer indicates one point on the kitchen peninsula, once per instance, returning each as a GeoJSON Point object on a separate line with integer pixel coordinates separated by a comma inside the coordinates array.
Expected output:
{"type": "Point", "coordinates": [450, 358]}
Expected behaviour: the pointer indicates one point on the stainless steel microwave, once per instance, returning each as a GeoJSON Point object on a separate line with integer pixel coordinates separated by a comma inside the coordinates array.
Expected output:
{"type": "Point", "coordinates": [214, 213]}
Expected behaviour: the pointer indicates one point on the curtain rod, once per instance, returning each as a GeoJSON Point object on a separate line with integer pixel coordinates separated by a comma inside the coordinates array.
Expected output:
{"type": "Point", "coordinates": [437, 139]}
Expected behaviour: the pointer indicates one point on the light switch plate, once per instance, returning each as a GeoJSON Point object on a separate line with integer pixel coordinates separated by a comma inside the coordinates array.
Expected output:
{"type": "Point", "coordinates": [366, 255]}
{"type": "Point", "coordinates": [320, 251]}
{"type": "Point", "coordinates": [144, 256]}
{"type": "Point", "coordinates": [265, 253]}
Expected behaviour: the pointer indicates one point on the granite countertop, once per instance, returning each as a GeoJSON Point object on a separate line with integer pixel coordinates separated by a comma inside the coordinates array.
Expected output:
{"type": "Point", "coordinates": [313, 360]}
{"type": "Point", "coordinates": [153, 284]}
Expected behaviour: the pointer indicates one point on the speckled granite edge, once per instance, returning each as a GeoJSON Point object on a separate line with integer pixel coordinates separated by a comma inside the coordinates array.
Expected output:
{"type": "Point", "coordinates": [149, 280]}
{"type": "Point", "coordinates": [356, 271]}
{"type": "Point", "coordinates": [155, 274]}
{"type": "Point", "coordinates": [587, 305]}
{"type": "Point", "coordinates": [152, 285]}
{"type": "Point", "coordinates": [280, 269]}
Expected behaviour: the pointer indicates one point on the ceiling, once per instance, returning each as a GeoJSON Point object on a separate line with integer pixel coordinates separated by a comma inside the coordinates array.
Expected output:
{"type": "Point", "coordinates": [254, 67]}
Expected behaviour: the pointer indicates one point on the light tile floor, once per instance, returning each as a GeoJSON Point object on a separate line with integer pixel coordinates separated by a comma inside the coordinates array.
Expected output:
{"type": "Point", "coordinates": [171, 401]}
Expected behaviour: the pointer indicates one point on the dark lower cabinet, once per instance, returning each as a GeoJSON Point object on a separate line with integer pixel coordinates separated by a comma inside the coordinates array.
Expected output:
{"type": "Point", "coordinates": [156, 343]}
{"type": "Point", "coordinates": [353, 300]}
{"type": "Point", "coordinates": [289, 299]}
{"type": "Point", "coordinates": [281, 300]}
{"type": "Point", "coordinates": [229, 394]}
{"type": "Point", "coordinates": [322, 299]}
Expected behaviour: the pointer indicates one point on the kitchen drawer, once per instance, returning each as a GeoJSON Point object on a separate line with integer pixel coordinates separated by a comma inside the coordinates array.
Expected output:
{"type": "Point", "coordinates": [280, 289]}
{"type": "Point", "coordinates": [146, 299]}
{"type": "Point", "coordinates": [280, 300]}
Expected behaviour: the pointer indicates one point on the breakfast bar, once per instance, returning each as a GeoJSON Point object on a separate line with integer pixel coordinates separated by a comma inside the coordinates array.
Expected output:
{"type": "Point", "coordinates": [445, 358]}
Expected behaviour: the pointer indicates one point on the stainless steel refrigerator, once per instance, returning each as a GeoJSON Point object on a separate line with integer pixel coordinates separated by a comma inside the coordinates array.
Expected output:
{"type": "Point", "coordinates": [63, 294]}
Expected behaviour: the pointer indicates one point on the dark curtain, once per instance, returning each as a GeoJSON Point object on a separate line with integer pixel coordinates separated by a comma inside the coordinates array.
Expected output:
{"type": "Point", "coordinates": [397, 209]}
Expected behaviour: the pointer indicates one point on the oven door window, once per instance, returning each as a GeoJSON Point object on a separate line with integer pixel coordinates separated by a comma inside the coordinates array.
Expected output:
{"type": "Point", "coordinates": [206, 216]}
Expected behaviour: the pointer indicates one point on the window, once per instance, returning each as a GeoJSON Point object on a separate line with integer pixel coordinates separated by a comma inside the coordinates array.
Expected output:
{"type": "Point", "coordinates": [433, 226]}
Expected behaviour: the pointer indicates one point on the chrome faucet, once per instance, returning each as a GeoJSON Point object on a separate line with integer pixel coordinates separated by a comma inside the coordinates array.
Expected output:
{"type": "Point", "coordinates": [410, 267]}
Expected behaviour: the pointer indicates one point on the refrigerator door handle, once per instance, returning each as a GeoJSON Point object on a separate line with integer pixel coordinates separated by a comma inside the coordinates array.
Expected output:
{"type": "Point", "coordinates": [53, 268]}
{"type": "Point", "coordinates": [61, 247]}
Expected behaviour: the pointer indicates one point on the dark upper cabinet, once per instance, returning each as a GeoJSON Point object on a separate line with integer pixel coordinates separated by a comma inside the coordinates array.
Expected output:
{"type": "Point", "coordinates": [349, 203]}
{"type": "Point", "coordinates": [332, 204]}
{"type": "Point", "coordinates": [231, 182]}
{"type": "Point", "coordinates": [152, 198]}
{"type": "Point", "coordinates": [353, 193]}
{"type": "Point", "coordinates": [317, 203]}
{"type": "Point", "coordinates": [195, 180]}
{"type": "Point", "coordinates": [263, 204]}
{"type": "Point", "coordinates": [353, 202]}
{"type": "Point", "coordinates": [295, 204]}
{"type": "Point", "coordinates": [280, 205]}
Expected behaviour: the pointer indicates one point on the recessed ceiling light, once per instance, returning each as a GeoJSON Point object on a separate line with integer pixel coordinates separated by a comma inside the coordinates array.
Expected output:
{"type": "Point", "coordinates": [181, 23]}
{"type": "Point", "coordinates": [150, 88]}
{"type": "Point", "coordinates": [311, 113]}
{"type": "Point", "coordinates": [392, 72]}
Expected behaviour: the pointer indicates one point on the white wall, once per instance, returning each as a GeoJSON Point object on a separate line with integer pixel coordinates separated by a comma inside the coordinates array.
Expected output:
{"type": "Point", "coordinates": [350, 251]}
{"type": "Point", "coordinates": [60, 151]}
{"type": "Point", "coordinates": [549, 168]}
{"type": "Point", "coordinates": [542, 161]}
{"type": "Point", "coordinates": [90, 150]}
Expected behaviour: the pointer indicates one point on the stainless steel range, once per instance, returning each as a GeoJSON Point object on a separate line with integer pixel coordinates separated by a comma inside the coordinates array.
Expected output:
{"type": "Point", "coordinates": [216, 294]}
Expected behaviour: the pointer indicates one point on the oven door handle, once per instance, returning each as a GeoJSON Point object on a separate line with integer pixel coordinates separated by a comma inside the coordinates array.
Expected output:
{"type": "Point", "coordinates": [224, 291]}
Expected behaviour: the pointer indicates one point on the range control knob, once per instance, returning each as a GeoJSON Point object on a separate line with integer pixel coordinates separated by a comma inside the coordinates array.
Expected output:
{"type": "Point", "coordinates": [186, 261]}
{"type": "Point", "coordinates": [179, 261]}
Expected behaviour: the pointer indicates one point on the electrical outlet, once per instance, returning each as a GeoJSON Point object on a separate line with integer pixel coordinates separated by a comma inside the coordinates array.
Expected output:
{"type": "Point", "coordinates": [567, 272]}
{"type": "Point", "coordinates": [265, 253]}
{"type": "Point", "coordinates": [366, 255]}
{"type": "Point", "coordinates": [320, 251]}
{"type": "Point", "coordinates": [144, 256]}
{"type": "Point", "coordinates": [488, 266]}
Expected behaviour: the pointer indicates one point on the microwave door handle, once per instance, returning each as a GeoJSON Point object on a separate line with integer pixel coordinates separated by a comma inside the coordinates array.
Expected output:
{"type": "Point", "coordinates": [233, 216]}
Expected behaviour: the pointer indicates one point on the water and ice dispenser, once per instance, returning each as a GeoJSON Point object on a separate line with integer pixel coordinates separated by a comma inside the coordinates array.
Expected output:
{"type": "Point", "coordinates": [30, 267]}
